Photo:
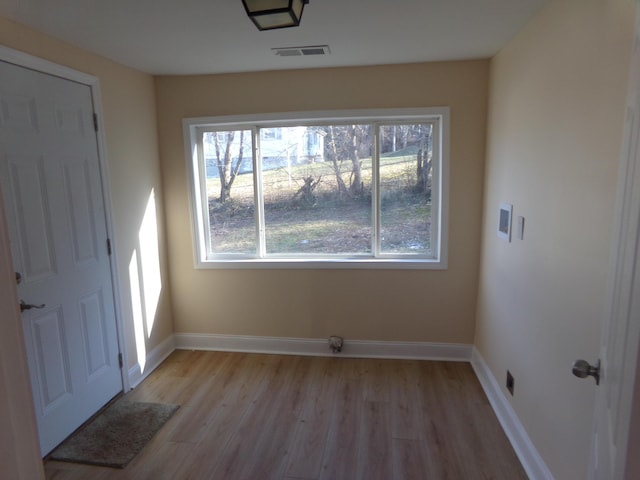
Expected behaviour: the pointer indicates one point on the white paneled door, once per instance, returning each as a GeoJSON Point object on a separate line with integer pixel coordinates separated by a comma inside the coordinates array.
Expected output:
{"type": "Point", "coordinates": [621, 332]}
{"type": "Point", "coordinates": [50, 174]}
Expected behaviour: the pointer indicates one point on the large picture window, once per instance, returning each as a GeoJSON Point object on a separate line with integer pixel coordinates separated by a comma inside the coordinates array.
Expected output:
{"type": "Point", "coordinates": [323, 189]}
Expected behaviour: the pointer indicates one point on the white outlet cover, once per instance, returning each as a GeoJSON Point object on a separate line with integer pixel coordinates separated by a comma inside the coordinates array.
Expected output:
{"type": "Point", "coordinates": [520, 228]}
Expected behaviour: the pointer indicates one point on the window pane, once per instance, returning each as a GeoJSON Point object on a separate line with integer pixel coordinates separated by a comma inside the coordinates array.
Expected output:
{"type": "Point", "coordinates": [229, 185]}
{"type": "Point", "coordinates": [405, 188]}
{"type": "Point", "coordinates": [317, 189]}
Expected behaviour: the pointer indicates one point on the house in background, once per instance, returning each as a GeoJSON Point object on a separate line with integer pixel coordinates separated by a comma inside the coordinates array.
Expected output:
{"type": "Point", "coordinates": [539, 125]}
{"type": "Point", "coordinates": [297, 145]}
{"type": "Point", "coordinates": [279, 147]}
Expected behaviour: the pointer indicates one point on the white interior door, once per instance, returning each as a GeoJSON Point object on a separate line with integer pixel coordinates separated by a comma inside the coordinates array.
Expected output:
{"type": "Point", "coordinates": [621, 332]}
{"type": "Point", "coordinates": [50, 175]}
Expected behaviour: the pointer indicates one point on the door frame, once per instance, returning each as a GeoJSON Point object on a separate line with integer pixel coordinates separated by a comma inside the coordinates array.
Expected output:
{"type": "Point", "coordinates": [45, 66]}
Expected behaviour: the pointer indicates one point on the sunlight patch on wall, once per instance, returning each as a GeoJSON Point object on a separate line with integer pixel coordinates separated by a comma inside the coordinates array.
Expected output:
{"type": "Point", "coordinates": [138, 316]}
{"type": "Point", "coordinates": [150, 263]}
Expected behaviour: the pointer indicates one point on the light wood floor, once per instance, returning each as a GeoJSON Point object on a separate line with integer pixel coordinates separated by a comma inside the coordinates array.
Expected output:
{"type": "Point", "coordinates": [259, 417]}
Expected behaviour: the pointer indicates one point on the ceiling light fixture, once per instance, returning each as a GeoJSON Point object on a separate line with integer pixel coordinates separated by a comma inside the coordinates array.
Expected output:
{"type": "Point", "coordinates": [272, 14]}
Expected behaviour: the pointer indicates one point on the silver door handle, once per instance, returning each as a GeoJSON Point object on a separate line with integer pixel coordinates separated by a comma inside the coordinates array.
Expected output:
{"type": "Point", "coordinates": [28, 306]}
{"type": "Point", "coordinates": [582, 369]}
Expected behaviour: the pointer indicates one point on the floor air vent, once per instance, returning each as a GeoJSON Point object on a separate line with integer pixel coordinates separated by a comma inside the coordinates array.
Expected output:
{"type": "Point", "coordinates": [302, 51]}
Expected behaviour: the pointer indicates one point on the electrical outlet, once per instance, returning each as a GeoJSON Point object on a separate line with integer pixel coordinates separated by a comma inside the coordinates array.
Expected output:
{"type": "Point", "coordinates": [336, 343]}
{"type": "Point", "coordinates": [510, 382]}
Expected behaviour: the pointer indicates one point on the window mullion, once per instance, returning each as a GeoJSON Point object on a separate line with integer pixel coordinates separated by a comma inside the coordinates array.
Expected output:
{"type": "Point", "coordinates": [375, 190]}
{"type": "Point", "coordinates": [202, 194]}
{"type": "Point", "coordinates": [436, 186]}
{"type": "Point", "coordinates": [257, 192]}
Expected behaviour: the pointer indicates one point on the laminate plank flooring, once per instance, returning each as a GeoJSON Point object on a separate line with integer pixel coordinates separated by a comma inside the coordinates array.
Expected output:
{"type": "Point", "coordinates": [260, 417]}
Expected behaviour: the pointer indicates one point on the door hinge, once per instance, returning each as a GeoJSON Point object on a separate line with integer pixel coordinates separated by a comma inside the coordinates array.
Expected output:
{"type": "Point", "coordinates": [109, 246]}
{"type": "Point", "coordinates": [120, 361]}
{"type": "Point", "coordinates": [95, 121]}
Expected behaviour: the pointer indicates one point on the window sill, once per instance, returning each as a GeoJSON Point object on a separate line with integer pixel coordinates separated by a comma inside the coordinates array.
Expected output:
{"type": "Point", "coordinates": [335, 264]}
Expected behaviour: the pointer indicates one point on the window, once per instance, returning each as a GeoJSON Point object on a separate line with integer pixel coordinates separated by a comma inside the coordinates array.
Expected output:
{"type": "Point", "coordinates": [363, 189]}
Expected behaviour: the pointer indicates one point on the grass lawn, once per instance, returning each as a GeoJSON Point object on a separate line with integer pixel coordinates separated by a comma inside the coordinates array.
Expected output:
{"type": "Point", "coordinates": [325, 223]}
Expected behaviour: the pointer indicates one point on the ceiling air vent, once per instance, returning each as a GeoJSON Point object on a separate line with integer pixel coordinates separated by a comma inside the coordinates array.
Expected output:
{"type": "Point", "coordinates": [302, 51]}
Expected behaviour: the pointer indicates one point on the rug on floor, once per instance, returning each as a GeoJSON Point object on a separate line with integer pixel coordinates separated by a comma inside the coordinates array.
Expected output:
{"type": "Point", "coordinates": [116, 435]}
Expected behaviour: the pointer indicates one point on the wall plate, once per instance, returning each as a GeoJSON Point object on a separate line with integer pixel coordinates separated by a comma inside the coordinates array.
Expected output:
{"type": "Point", "coordinates": [504, 221]}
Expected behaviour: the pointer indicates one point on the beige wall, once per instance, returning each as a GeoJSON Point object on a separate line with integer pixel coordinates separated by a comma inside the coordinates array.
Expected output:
{"type": "Point", "coordinates": [409, 305]}
{"type": "Point", "coordinates": [554, 131]}
{"type": "Point", "coordinates": [128, 103]}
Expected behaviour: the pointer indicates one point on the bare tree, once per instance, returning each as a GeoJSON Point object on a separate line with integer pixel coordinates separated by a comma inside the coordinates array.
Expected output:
{"type": "Point", "coordinates": [228, 167]}
{"type": "Point", "coordinates": [334, 154]}
{"type": "Point", "coordinates": [356, 134]}
{"type": "Point", "coordinates": [424, 158]}
{"type": "Point", "coordinates": [348, 142]}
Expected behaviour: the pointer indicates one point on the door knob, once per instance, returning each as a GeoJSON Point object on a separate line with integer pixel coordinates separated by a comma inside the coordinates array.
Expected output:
{"type": "Point", "coordinates": [582, 369]}
{"type": "Point", "coordinates": [28, 306]}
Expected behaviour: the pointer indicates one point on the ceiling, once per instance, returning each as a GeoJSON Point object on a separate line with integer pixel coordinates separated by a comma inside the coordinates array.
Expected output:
{"type": "Point", "coordinates": [215, 36]}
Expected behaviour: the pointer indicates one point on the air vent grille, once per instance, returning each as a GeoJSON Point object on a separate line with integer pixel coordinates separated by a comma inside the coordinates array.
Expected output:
{"type": "Point", "coordinates": [302, 51]}
{"type": "Point", "coordinates": [313, 51]}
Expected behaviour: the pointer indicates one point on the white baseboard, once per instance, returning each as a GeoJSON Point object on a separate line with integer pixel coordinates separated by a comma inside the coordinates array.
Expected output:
{"type": "Point", "coordinates": [153, 359]}
{"type": "Point", "coordinates": [320, 347]}
{"type": "Point", "coordinates": [525, 450]}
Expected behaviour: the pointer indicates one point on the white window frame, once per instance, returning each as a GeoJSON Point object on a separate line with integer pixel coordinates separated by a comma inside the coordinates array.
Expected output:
{"type": "Point", "coordinates": [192, 127]}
